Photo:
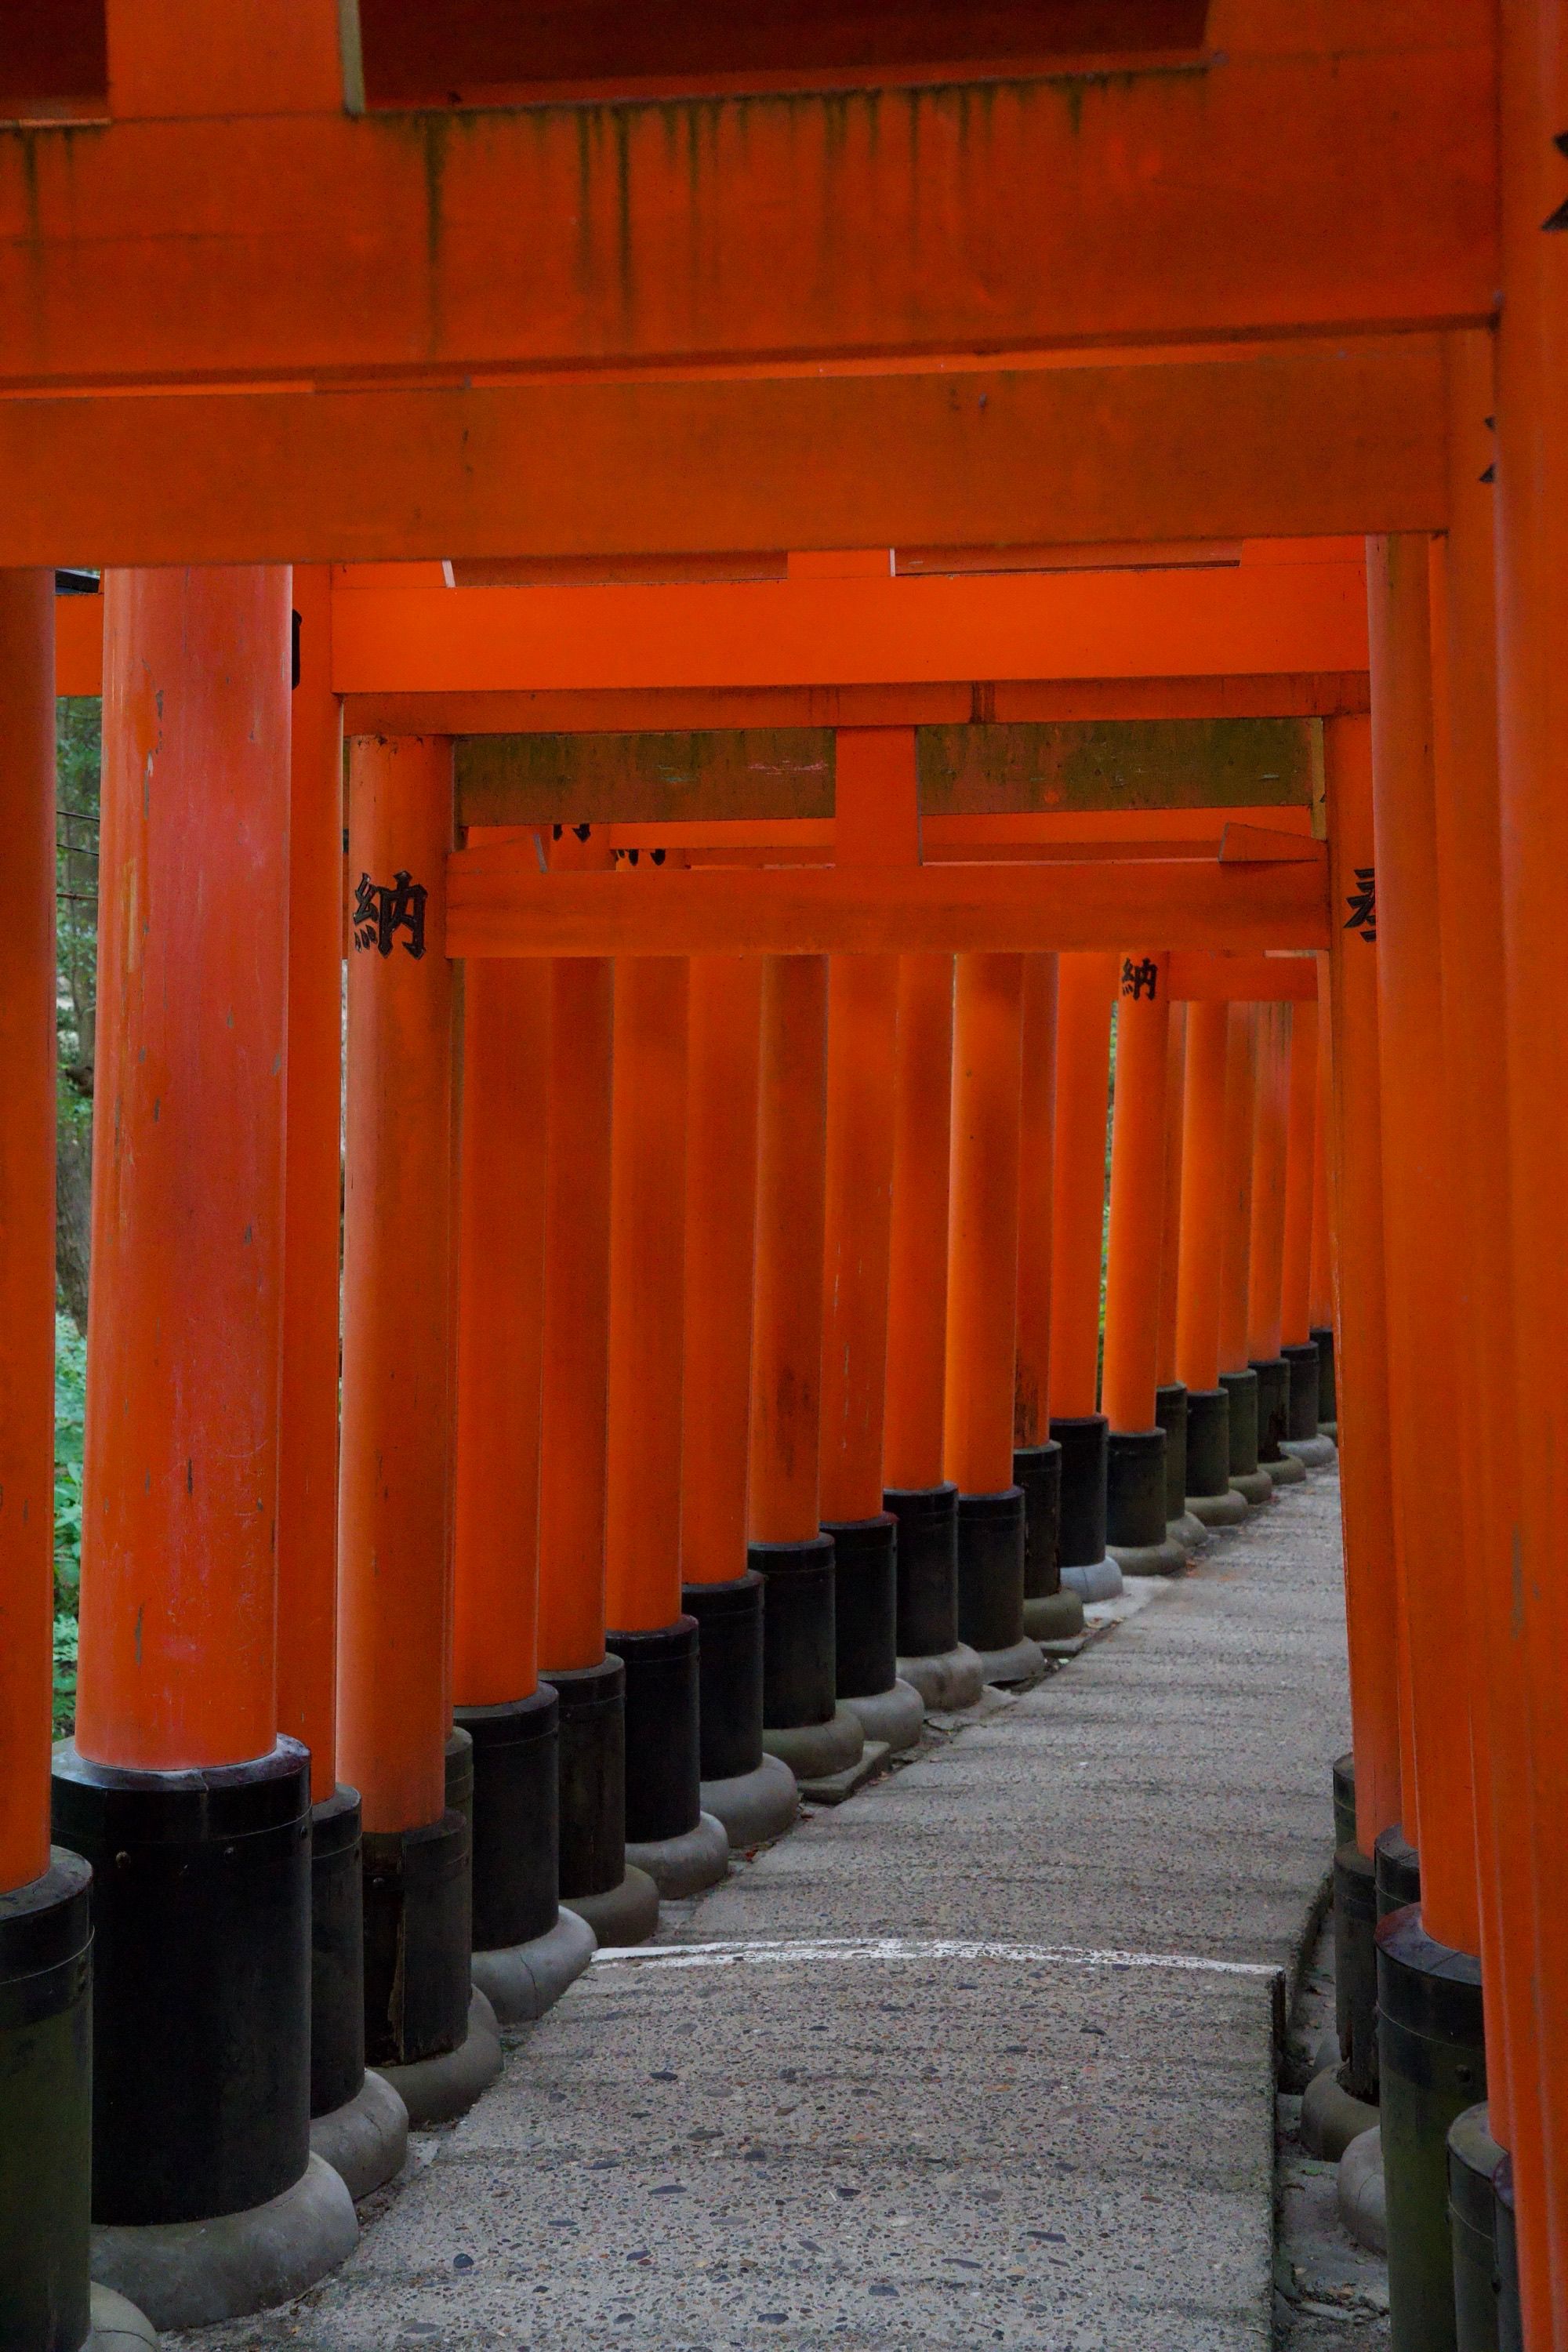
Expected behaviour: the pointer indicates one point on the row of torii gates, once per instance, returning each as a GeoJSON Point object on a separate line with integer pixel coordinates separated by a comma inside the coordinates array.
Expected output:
{"type": "Point", "coordinates": [732, 937]}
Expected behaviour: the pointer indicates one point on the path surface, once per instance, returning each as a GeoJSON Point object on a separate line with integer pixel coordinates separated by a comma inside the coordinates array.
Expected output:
{"type": "Point", "coordinates": [984, 2057]}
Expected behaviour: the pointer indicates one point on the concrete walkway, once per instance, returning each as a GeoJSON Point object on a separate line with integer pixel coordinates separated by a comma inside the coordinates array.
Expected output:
{"type": "Point", "coordinates": [983, 2057]}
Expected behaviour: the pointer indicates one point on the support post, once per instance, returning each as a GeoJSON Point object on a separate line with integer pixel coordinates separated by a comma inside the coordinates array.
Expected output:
{"type": "Point", "coordinates": [1171, 1393]}
{"type": "Point", "coordinates": [1237, 1376]}
{"type": "Point", "coordinates": [1302, 1162]}
{"type": "Point", "coordinates": [1210, 1497]}
{"type": "Point", "coordinates": [1053, 1614]}
{"type": "Point", "coordinates": [1086, 987]}
{"type": "Point", "coordinates": [1266, 1248]}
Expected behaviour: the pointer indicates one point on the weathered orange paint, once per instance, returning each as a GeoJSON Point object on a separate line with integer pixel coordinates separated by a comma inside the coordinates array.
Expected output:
{"type": "Point", "coordinates": [862, 1075]}
{"type": "Point", "coordinates": [28, 983]}
{"type": "Point", "coordinates": [982, 1227]}
{"type": "Point", "coordinates": [917, 1299]}
{"type": "Point", "coordinates": [1323, 1261]}
{"type": "Point", "coordinates": [787, 1346]}
{"type": "Point", "coordinates": [1265, 1253]}
{"type": "Point", "coordinates": [724, 1051]}
{"type": "Point", "coordinates": [501, 1333]}
{"type": "Point", "coordinates": [1203, 1121]}
{"type": "Point", "coordinates": [1420, 1210]}
{"type": "Point", "coordinates": [180, 1480]}
{"type": "Point", "coordinates": [647, 1277]}
{"type": "Point", "coordinates": [1037, 1187]}
{"type": "Point", "coordinates": [576, 1314]}
{"type": "Point", "coordinates": [1236, 1243]}
{"type": "Point", "coordinates": [1085, 986]}
{"type": "Point", "coordinates": [1171, 1203]}
{"type": "Point", "coordinates": [1301, 1178]}
{"type": "Point", "coordinates": [394, 1597]}
{"type": "Point", "coordinates": [312, 1201]}
{"type": "Point", "coordinates": [1230, 979]}
{"type": "Point", "coordinates": [1360, 1362]}
{"type": "Point", "coordinates": [1136, 1235]}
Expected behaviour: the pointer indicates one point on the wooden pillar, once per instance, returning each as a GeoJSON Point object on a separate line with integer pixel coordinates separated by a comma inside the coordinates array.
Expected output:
{"type": "Point", "coordinates": [1136, 1515]}
{"type": "Point", "coordinates": [1050, 1611]}
{"type": "Point", "coordinates": [1237, 1376]}
{"type": "Point", "coordinates": [1266, 1248]}
{"type": "Point", "coordinates": [1202, 1250]}
{"type": "Point", "coordinates": [1300, 1177]}
{"type": "Point", "coordinates": [1085, 989]}
{"type": "Point", "coordinates": [1171, 1214]}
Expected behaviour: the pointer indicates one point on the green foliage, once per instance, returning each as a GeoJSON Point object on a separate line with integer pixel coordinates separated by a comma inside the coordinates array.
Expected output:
{"type": "Point", "coordinates": [70, 1395]}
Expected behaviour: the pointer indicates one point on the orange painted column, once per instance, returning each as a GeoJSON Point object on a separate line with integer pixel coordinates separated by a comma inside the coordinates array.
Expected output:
{"type": "Point", "coordinates": [1049, 1613]}
{"type": "Point", "coordinates": [179, 1593]}
{"type": "Point", "coordinates": [1237, 1376]}
{"type": "Point", "coordinates": [1135, 1506]}
{"type": "Point", "coordinates": [1086, 987]}
{"type": "Point", "coordinates": [1170, 1394]}
{"type": "Point", "coordinates": [1200, 1264]}
{"type": "Point", "coordinates": [395, 1484]}
{"type": "Point", "coordinates": [1266, 1248]}
{"type": "Point", "coordinates": [1361, 1364]}
{"type": "Point", "coordinates": [981, 1311]}
{"type": "Point", "coordinates": [1322, 1268]}
{"type": "Point", "coordinates": [312, 1206]}
{"type": "Point", "coordinates": [1304, 1190]}
{"type": "Point", "coordinates": [788, 1548]}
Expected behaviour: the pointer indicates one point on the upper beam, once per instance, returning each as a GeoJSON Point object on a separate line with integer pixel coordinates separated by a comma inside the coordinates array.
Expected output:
{"type": "Point", "coordinates": [1161, 202]}
{"type": "Point", "coordinates": [1256, 441]}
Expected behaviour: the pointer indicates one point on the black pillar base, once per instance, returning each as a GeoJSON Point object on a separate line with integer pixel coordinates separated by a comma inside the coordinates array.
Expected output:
{"type": "Point", "coordinates": [460, 1756]}
{"type": "Point", "coordinates": [800, 1661]}
{"type": "Point", "coordinates": [514, 1749]}
{"type": "Point", "coordinates": [593, 1782]}
{"type": "Point", "coordinates": [46, 2128]}
{"type": "Point", "coordinates": [337, 1952]}
{"type": "Point", "coordinates": [1328, 1402]}
{"type": "Point", "coordinates": [1431, 2066]}
{"type": "Point", "coordinates": [1505, 2224]}
{"type": "Point", "coordinates": [990, 1569]}
{"type": "Point", "coordinates": [1273, 1406]}
{"type": "Point", "coordinates": [1344, 1799]}
{"type": "Point", "coordinates": [866, 1604]}
{"type": "Point", "coordinates": [1355, 1970]}
{"type": "Point", "coordinates": [1208, 1442]}
{"type": "Point", "coordinates": [417, 1939]}
{"type": "Point", "coordinates": [1083, 1440]}
{"type": "Point", "coordinates": [1301, 1416]}
{"type": "Point", "coordinates": [1473, 2160]}
{"type": "Point", "coordinates": [1037, 1470]}
{"type": "Point", "coordinates": [1135, 1513]}
{"type": "Point", "coordinates": [1171, 1412]}
{"type": "Point", "coordinates": [729, 1674]}
{"type": "Point", "coordinates": [663, 1769]}
{"type": "Point", "coordinates": [201, 2007]}
{"type": "Point", "coordinates": [1397, 1867]}
{"type": "Point", "coordinates": [927, 1597]}
{"type": "Point", "coordinates": [1241, 1387]}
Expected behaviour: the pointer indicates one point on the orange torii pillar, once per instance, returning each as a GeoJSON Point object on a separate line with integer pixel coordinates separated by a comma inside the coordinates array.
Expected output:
{"type": "Point", "coordinates": [619, 1900]}
{"type": "Point", "coordinates": [359, 2122]}
{"type": "Point", "coordinates": [177, 1787]}
{"type": "Point", "coordinates": [668, 1835]}
{"type": "Point", "coordinates": [1296, 1344]}
{"type": "Point", "coordinates": [394, 1558]}
{"type": "Point", "coordinates": [1085, 989]}
{"type": "Point", "coordinates": [46, 1938]}
{"type": "Point", "coordinates": [1266, 1248]}
{"type": "Point", "coordinates": [946, 1672]}
{"type": "Point", "coordinates": [1169, 1392]}
{"type": "Point", "coordinates": [805, 1721]}
{"type": "Point", "coordinates": [1205, 1085]}
{"type": "Point", "coordinates": [981, 1315]}
{"type": "Point", "coordinates": [862, 1062]}
{"type": "Point", "coordinates": [1051, 1613]}
{"type": "Point", "coordinates": [753, 1793]}
{"type": "Point", "coordinates": [1135, 1513]}
{"type": "Point", "coordinates": [1430, 2029]}
{"type": "Point", "coordinates": [526, 1948]}
{"type": "Point", "coordinates": [1322, 1279]}
{"type": "Point", "coordinates": [1237, 1376]}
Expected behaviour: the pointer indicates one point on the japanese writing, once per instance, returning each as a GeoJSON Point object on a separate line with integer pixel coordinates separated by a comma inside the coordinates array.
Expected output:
{"type": "Point", "coordinates": [1140, 979]}
{"type": "Point", "coordinates": [1362, 904]}
{"type": "Point", "coordinates": [382, 909]}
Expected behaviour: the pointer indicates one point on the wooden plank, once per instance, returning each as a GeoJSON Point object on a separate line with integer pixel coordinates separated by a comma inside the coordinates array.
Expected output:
{"type": "Point", "coordinates": [500, 904]}
{"type": "Point", "coordinates": [1243, 979]}
{"type": "Point", "coordinates": [649, 779]}
{"type": "Point", "coordinates": [1130, 764]}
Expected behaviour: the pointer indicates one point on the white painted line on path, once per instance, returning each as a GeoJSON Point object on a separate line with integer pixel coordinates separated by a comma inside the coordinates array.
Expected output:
{"type": "Point", "coordinates": [818, 1949]}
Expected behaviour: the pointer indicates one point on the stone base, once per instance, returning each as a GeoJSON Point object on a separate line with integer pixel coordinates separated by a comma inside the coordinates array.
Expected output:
{"type": "Point", "coordinates": [193, 2273]}
{"type": "Point", "coordinates": [1316, 1453]}
{"type": "Point", "coordinates": [1329, 1429]}
{"type": "Point", "coordinates": [895, 1716]}
{"type": "Point", "coordinates": [1359, 2192]}
{"type": "Point", "coordinates": [1165, 1558]}
{"type": "Point", "coordinates": [1021, 1663]}
{"type": "Point", "coordinates": [118, 2325]}
{"type": "Point", "coordinates": [754, 1806]}
{"type": "Point", "coordinates": [949, 1680]}
{"type": "Point", "coordinates": [834, 1786]}
{"type": "Point", "coordinates": [1187, 1531]}
{"type": "Point", "coordinates": [1332, 2117]}
{"type": "Point", "coordinates": [366, 2139]}
{"type": "Point", "coordinates": [1226, 1510]}
{"type": "Point", "coordinates": [815, 1751]}
{"type": "Point", "coordinates": [685, 1864]}
{"type": "Point", "coordinates": [521, 1981]}
{"type": "Point", "coordinates": [1054, 1617]}
{"type": "Point", "coordinates": [1285, 1470]}
{"type": "Point", "coordinates": [1254, 1486]}
{"type": "Point", "coordinates": [624, 1914]}
{"type": "Point", "coordinates": [1100, 1579]}
{"type": "Point", "coordinates": [440, 2090]}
